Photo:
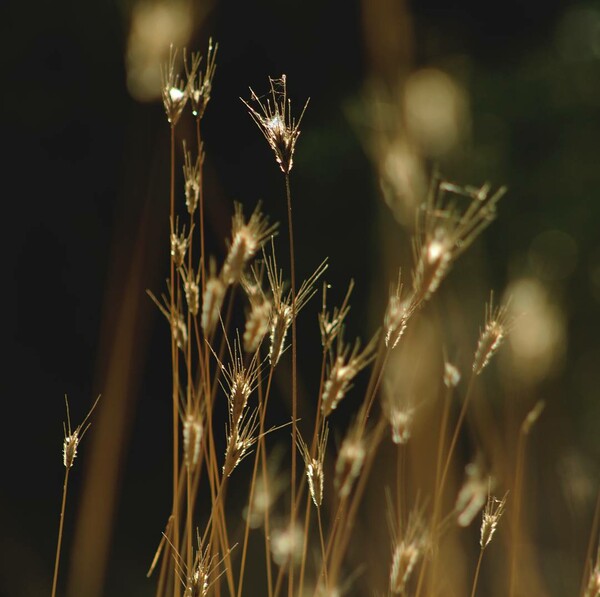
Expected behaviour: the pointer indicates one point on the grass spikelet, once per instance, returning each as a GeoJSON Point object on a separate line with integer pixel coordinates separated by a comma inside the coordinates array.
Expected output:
{"type": "Point", "coordinates": [247, 239]}
{"type": "Point", "coordinates": [240, 438]}
{"type": "Point", "coordinates": [408, 549]}
{"type": "Point", "coordinates": [472, 495]}
{"type": "Point", "coordinates": [200, 82]}
{"type": "Point", "coordinates": [282, 313]}
{"type": "Point", "coordinates": [212, 300]}
{"type": "Point", "coordinates": [240, 381]}
{"type": "Point", "coordinates": [175, 92]}
{"type": "Point", "coordinates": [191, 287]}
{"type": "Point", "coordinates": [451, 375]}
{"type": "Point", "coordinates": [179, 244]}
{"type": "Point", "coordinates": [314, 466]}
{"type": "Point", "coordinates": [492, 513]}
{"type": "Point", "coordinates": [397, 314]}
{"type": "Point", "coordinates": [287, 544]}
{"type": "Point", "coordinates": [345, 367]}
{"type": "Point", "coordinates": [192, 175]}
{"type": "Point", "coordinates": [497, 326]}
{"type": "Point", "coordinates": [444, 231]}
{"type": "Point", "coordinates": [349, 461]}
{"type": "Point", "coordinates": [273, 116]}
{"type": "Point", "coordinates": [330, 324]}
{"type": "Point", "coordinates": [193, 431]}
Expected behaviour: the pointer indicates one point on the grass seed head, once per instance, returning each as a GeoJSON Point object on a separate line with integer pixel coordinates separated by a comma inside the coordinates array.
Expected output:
{"type": "Point", "coordinates": [199, 82]}
{"type": "Point", "coordinates": [212, 301]}
{"type": "Point", "coordinates": [192, 174]}
{"type": "Point", "coordinates": [451, 375]}
{"type": "Point", "coordinates": [247, 239]}
{"type": "Point", "coordinates": [240, 438]}
{"type": "Point", "coordinates": [407, 551]}
{"type": "Point", "coordinates": [287, 544]}
{"type": "Point", "coordinates": [492, 512]}
{"type": "Point", "coordinates": [497, 326]}
{"type": "Point", "coordinates": [274, 119]}
{"type": "Point", "coordinates": [175, 92]}
{"type": "Point", "coordinates": [72, 437]}
{"type": "Point", "coordinates": [345, 367]}
{"type": "Point", "coordinates": [330, 324]}
{"type": "Point", "coordinates": [472, 495]}
{"type": "Point", "coordinates": [444, 231]}
{"type": "Point", "coordinates": [192, 438]}
{"type": "Point", "coordinates": [314, 466]}
{"type": "Point", "coordinates": [349, 461]}
{"type": "Point", "coordinates": [179, 245]}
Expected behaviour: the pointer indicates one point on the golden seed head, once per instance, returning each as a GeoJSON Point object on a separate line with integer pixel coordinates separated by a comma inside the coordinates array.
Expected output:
{"type": "Point", "coordinates": [445, 230]}
{"type": "Point", "coordinates": [451, 375]}
{"type": "Point", "coordinates": [314, 466]}
{"type": "Point", "coordinates": [175, 92]}
{"type": "Point", "coordinates": [247, 239]}
{"type": "Point", "coordinates": [404, 560]}
{"type": "Point", "coordinates": [346, 365]}
{"type": "Point", "coordinates": [240, 438]}
{"type": "Point", "coordinates": [331, 324]}
{"type": "Point", "coordinates": [496, 328]}
{"type": "Point", "coordinates": [472, 495]}
{"type": "Point", "coordinates": [349, 464]}
{"type": "Point", "coordinates": [72, 437]}
{"type": "Point", "coordinates": [593, 586]}
{"type": "Point", "coordinates": [70, 448]}
{"type": "Point", "coordinates": [257, 325]}
{"type": "Point", "coordinates": [492, 512]}
{"type": "Point", "coordinates": [273, 118]}
{"type": "Point", "coordinates": [179, 330]}
{"type": "Point", "coordinates": [287, 544]}
{"type": "Point", "coordinates": [212, 300]}
{"type": "Point", "coordinates": [407, 552]}
{"type": "Point", "coordinates": [179, 245]}
{"type": "Point", "coordinates": [401, 422]}
{"type": "Point", "coordinates": [192, 174]}
{"type": "Point", "coordinates": [200, 83]}
{"type": "Point", "coordinates": [192, 438]}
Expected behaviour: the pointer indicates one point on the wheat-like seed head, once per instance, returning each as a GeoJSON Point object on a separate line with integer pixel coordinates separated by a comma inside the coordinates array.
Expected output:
{"type": "Point", "coordinates": [247, 239]}
{"type": "Point", "coordinates": [397, 314]}
{"type": "Point", "coordinates": [497, 326]}
{"type": "Point", "coordinates": [492, 512]}
{"type": "Point", "coordinates": [331, 324]}
{"type": "Point", "coordinates": [192, 174]}
{"type": "Point", "coordinates": [314, 466]}
{"type": "Point", "coordinates": [349, 461]}
{"type": "Point", "coordinates": [212, 300]}
{"type": "Point", "coordinates": [274, 119]}
{"type": "Point", "coordinates": [287, 544]}
{"type": "Point", "coordinates": [191, 287]}
{"type": "Point", "coordinates": [72, 437]}
{"type": "Point", "coordinates": [200, 87]}
{"type": "Point", "coordinates": [345, 366]}
{"type": "Point", "coordinates": [444, 231]}
{"type": "Point", "coordinates": [240, 438]}
{"type": "Point", "coordinates": [472, 495]}
{"type": "Point", "coordinates": [407, 551]}
{"type": "Point", "coordinates": [240, 380]}
{"type": "Point", "coordinates": [193, 430]}
{"type": "Point", "coordinates": [179, 244]}
{"type": "Point", "coordinates": [175, 92]}
{"type": "Point", "coordinates": [451, 375]}
{"type": "Point", "coordinates": [284, 310]}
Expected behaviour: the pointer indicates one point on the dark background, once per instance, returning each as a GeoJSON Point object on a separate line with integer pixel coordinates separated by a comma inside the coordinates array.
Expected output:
{"type": "Point", "coordinates": [85, 196]}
